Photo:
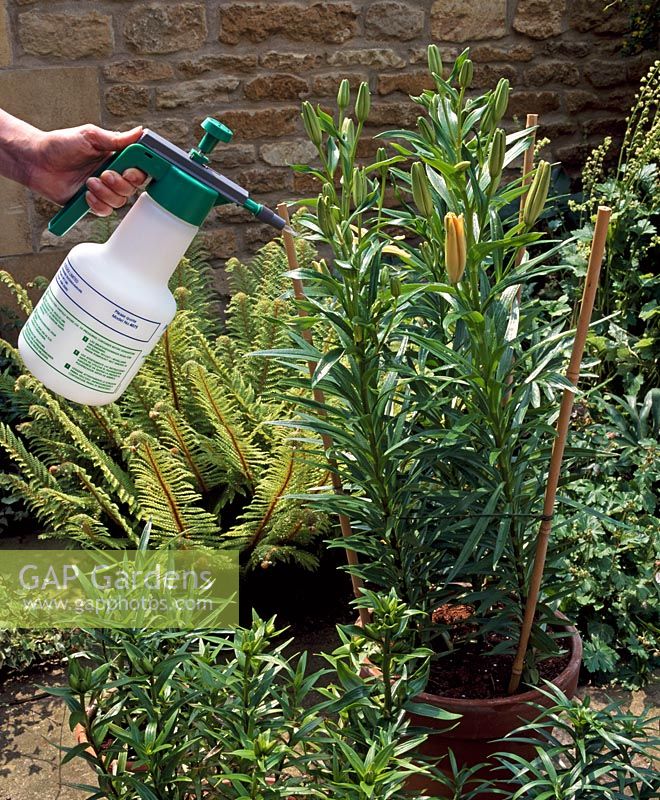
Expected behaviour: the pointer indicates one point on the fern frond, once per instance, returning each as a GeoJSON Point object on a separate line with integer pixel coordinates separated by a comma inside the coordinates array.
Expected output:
{"type": "Point", "coordinates": [167, 495]}
{"type": "Point", "coordinates": [29, 464]}
{"type": "Point", "coordinates": [241, 453]}
{"type": "Point", "coordinates": [193, 448]}
{"type": "Point", "coordinates": [273, 518]}
{"type": "Point", "coordinates": [100, 498]}
{"type": "Point", "coordinates": [19, 292]}
{"type": "Point", "coordinates": [116, 477]}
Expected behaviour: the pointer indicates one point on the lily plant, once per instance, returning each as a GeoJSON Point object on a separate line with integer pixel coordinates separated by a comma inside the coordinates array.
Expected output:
{"type": "Point", "coordinates": [439, 366]}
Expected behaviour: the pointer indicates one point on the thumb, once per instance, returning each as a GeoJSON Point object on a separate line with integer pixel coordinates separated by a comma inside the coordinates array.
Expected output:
{"type": "Point", "coordinates": [116, 140]}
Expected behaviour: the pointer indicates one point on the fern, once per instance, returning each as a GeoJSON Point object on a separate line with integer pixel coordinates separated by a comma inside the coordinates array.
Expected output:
{"type": "Point", "coordinates": [191, 445]}
{"type": "Point", "coordinates": [167, 495]}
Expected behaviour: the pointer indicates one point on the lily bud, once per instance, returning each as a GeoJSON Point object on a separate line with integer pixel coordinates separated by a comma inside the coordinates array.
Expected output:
{"type": "Point", "coordinates": [435, 62]}
{"type": "Point", "coordinates": [311, 123]}
{"type": "Point", "coordinates": [395, 286]}
{"type": "Point", "coordinates": [462, 166]}
{"type": "Point", "coordinates": [465, 74]}
{"type": "Point", "coordinates": [426, 129]}
{"type": "Point", "coordinates": [455, 255]}
{"type": "Point", "coordinates": [421, 190]}
{"type": "Point", "coordinates": [324, 216]}
{"type": "Point", "coordinates": [343, 94]}
{"type": "Point", "coordinates": [359, 186]}
{"type": "Point", "coordinates": [348, 130]}
{"type": "Point", "coordinates": [488, 118]}
{"type": "Point", "coordinates": [363, 102]}
{"type": "Point", "coordinates": [381, 155]}
{"type": "Point", "coordinates": [496, 158]}
{"type": "Point", "coordinates": [500, 99]}
{"type": "Point", "coordinates": [537, 194]}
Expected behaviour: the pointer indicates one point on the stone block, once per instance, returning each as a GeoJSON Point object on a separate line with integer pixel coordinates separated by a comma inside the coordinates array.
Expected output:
{"type": "Point", "coordinates": [391, 114]}
{"type": "Point", "coordinates": [539, 19]}
{"type": "Point", "coordinates": [329, 23]}
{"type": "Point", "coordinates": [256, 235]}
{"type": "Point", "coordinates": [126, 99]}
{"type": "Point", "coordinates": [279, 86]}
{"type": "Point", "coordinates": [522, 103]}
{"type": "Point", "coordinates": [368, 57]}
{"type": "Point", "coordinates": [138, 70]}
{"type": "Point", "coordinates": [468, 20]}
{"type": "Point", "coordinates": [285, 153]}
{"type": "Point", "coordinates": [553, 72]}
{"type": "Point", "coordinates": [226, 156]}
{"type": "Point", "coordinates": [486, 76]}
{"type": "Point", "coordinates": [66, 35]}
{"type": "Point", "coordinates": [192, 67]}
{"type": "Point", "coordinates": [390, 19]}
{"type": "Point", "coordinates": [158, 28]}
{"type": "Point", "coordinates": [259, 180]}
{"type": "Point", "coordinates": [295, 62]}
{"type": "Point", "coordinates": [585, 15]}
{"type": "Point", "coordinates": [16, 237]}
{"type": "Point", "coordinates": [188, 93]}
{"type": "Point", "coordinates": [602, 74]}
{"type": "Point", "coordinates": [419, 55]}
{"type": "Point", "coordinates": [5, 37]}
{"type": "Point", "coordinates": [489, 53]}
{"type": "Point", "coordinates": [579, 100]}
{"type": "Point", "coordinates": [305, 185]}
{"type": "Point", "coordinates": [219, 242]}
{"type": "Point", "coordinates": [268, 122]}
{"type": "Point", "coordinates": [327, 85]}
{"type": "Point", "coordinates": [52, 97]}
{"type": "Point", "coordinates": [413, 83]}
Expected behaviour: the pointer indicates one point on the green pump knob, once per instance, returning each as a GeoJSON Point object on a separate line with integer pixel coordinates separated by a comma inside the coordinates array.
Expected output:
{"type": "Point", "coordinates": [215, 132]}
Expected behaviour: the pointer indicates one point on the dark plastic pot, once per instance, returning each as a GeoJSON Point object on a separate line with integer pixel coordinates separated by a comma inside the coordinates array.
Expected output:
{"type": "Point", "coordinates": [482, 722]}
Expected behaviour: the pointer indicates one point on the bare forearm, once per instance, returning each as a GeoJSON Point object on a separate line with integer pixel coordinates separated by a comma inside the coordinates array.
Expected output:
{"type": "Point", "coordinates": [19, 142]}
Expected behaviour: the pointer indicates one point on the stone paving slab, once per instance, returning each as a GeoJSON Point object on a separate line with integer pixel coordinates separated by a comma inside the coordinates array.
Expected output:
{"type": "Point", "coordinates": [31, 726]}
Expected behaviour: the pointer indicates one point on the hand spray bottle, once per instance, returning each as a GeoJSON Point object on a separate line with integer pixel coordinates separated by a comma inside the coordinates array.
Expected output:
{"type": "Point", "coordinates": [109, 304]}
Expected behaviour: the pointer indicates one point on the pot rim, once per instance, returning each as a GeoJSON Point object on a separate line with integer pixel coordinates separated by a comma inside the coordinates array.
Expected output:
{"type": "Point", "coordinates": [527, 697]}
{"type": "Point", "coordinates": [523, 697]}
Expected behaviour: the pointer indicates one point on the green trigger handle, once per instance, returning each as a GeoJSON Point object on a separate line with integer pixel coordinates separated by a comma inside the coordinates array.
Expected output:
{"type": "Point", "coordinates": [135, 155]}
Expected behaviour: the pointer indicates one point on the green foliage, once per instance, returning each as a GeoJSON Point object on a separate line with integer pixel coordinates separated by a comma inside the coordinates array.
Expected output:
{"type": "Point", "coordinates": [644, 24]}
{"type": "Point", "coordinates": [440, 370]}
{"type": "Point", "coordinates": [629, 345]}
{"type": "Point", "coordinates": [191, 445]}
{"type": "Point", "coordinates": [228, 715]}
{"type": "Point", "coordinates": [21, 649]}
{"type": "Point", "coordinates": [612, 559]}
{"type": "Point", "coordinates": [592, 754]}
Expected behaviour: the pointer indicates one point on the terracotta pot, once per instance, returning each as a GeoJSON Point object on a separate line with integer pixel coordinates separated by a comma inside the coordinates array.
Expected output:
{"type": "Point", "coordinates": [473, 738]}
{"type": "Point", "coordinates": [483, 721]}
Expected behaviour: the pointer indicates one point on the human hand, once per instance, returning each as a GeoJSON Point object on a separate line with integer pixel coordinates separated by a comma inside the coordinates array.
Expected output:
{"type": "Point", "coordinates": [60, 161]}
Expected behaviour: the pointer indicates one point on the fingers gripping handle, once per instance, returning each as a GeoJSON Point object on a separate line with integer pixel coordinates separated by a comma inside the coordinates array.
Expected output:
{"type": "Point", "coordinates": [135, 155]}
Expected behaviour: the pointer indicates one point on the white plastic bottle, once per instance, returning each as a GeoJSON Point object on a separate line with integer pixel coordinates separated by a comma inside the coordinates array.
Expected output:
{"type": "Point", "coordinates": [107, 307]}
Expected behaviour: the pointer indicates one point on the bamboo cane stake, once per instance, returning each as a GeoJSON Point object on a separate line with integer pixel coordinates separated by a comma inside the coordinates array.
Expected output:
{"type": "Point", "coordinates": [319, 397]}
{"type": "Point", "coordinates": [563, 422]}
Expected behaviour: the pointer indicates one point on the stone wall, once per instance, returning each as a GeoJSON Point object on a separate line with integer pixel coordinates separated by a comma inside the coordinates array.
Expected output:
{"type": "Point", "coordinates": [169, 64]}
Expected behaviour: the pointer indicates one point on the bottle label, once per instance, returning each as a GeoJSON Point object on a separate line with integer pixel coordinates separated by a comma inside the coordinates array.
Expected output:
{"type": "Point", "coordinates": [84, 336]}
{"type": "Point", "coordinates": [106, 312]}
